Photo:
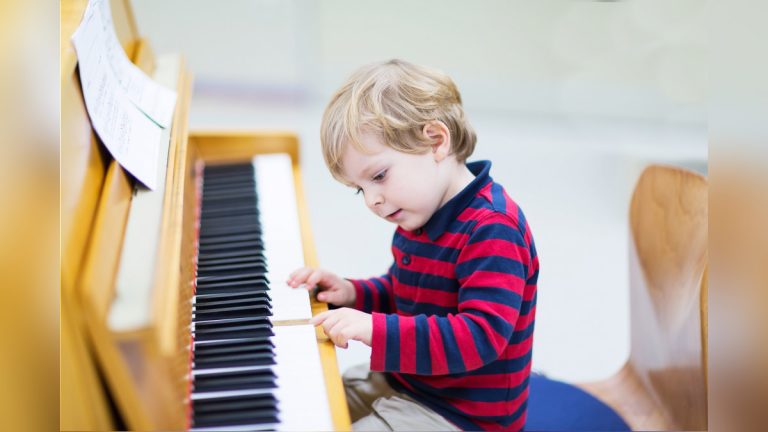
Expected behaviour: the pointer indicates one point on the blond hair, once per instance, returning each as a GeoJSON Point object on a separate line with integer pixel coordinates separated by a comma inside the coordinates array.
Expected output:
{"type": "Point", "coordinates": [393, 99]}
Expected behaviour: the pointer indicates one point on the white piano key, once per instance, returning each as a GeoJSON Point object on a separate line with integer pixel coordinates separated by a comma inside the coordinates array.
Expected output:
{"type": "Point", "coordinates": [281, 234]}
{"type": "Point", "coordinates": [301, 391]}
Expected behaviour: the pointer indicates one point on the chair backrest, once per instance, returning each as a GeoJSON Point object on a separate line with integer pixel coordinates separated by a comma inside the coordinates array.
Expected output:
{"type": "Point", "coordinates": [668, 283]}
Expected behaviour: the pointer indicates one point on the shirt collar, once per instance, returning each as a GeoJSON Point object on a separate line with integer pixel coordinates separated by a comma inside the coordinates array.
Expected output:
{"type": "Point", "coordinates": [439, 222]}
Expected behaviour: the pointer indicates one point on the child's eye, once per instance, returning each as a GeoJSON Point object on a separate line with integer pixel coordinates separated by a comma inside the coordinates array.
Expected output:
{"type": "Point", "coordinates": [358, 191]}
{"type": "Point", "coordinates": [379, 176]}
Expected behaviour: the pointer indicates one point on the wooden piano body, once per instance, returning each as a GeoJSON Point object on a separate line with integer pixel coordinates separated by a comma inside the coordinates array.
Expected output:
{"type": "Point", "coordinates": [137, 379]}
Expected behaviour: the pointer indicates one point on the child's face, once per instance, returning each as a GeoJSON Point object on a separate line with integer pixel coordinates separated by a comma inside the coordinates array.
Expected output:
{"type": "Point", "coordinates": [405, 189]}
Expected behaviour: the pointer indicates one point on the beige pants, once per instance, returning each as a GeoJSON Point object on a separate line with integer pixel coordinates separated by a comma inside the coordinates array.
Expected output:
{"type": "Point", "coordinates": [375, 406]}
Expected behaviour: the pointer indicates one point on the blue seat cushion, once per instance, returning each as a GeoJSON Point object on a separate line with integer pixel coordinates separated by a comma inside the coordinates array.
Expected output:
{"type": "Point", "coordinates": [557, 406]}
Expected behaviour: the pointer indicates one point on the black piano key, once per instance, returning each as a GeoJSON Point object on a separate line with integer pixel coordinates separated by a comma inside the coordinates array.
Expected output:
{"type": "Point", "coordinates": [234, 321]}
{"type": "Point", "coordinates": [245, 301]}
{"type": "Point", "coordinates": [231, 229]}
{"type": "Point", "coordinates": [230, 201]}
{"type": "Point", "coordinates": [237, 267]}
{"type": "Point", "coordinates": [248, 245]}
{"type": "Point", "coordinates": [261, 299]}
{"type": "Point", "coordinates": [220, 221]}
{"type": "Point", "coordinates": [235, 418]}
{"type": "Point", "coordinates": [231, 312]}
{"type": "Point", "coordinates": [217, 215]}
{"type": "Point", "coordinates": [223, 351]}
{"type": "Point", "coordinates": [242, 290]}
{"type": "Point", "coordinates": [227, 220]}
{"type": "Point", "coordinates": [221, 183]}
{"type": "Point", "coordinates": [225, 295]}
{"type": "Point", "coordinates": [252, 266]}
{"type": "Point", "coordinates": [227, 168]}
{"type": "Point", "coordinates": [252, 308]}
{"type": "Point", "coordinates": [207, 257]}
{"type": "Point", "coordinates": [229, 190]}
{"type": "Point", "coordinates": [228, 178]}
{"type": "Point", "coordinates": [230, 195]}
{"type": "Point", "coordinates": [258, 299]}
{"type": "Point", "coordinates": [249, 285]}
{"type": "Point", "coordinates": [234, 360]}
{"type": "Point", "coordinates": [214, 193]}
{"type": "Point", "coordinates": [212, 263]}
{"type": "Point", "coordinates": [233, 256]}
{"type": "Point", "coordinates": [261, 341]}
{"type": "Point", "coordinates": [232, 328]}
{"type": "Point", "coordinates": [233, 403]}
{"type": "Point", "coordinates": [213, 225]}
{"type": "Point", "coordinates": [243, 235]}
{"type": "Point", "coordinates": [234, 332]}
{"type": "Point", "coordinates": [226, 188]}
{"type": "Point", "coordinates": [240, 194]}
{"type": "Point", "coordinates": [261, 296]}
{"type": "Point", "coordinates": [232, 270]}
{"type": "Point", "coordinates": [229, 212]}
{"type": "Point", "coordinates": [239, 380]}
{"type": "Point", "coordinates": [227, 238]}
{"type": "Point", "coordinates": [256, 279]}
{"type": "Point", "coordinates": [250, 275]}
{"type": "Point", "coordinates": [232, 346]}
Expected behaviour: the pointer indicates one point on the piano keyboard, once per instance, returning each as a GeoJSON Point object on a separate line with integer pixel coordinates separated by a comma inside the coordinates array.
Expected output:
{"type": "Point", "coordinates": [248, 372]}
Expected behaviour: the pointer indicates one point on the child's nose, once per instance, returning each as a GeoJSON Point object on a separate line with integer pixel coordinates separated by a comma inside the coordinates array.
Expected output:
{"type": "Point", "coordinates": [374, 198]}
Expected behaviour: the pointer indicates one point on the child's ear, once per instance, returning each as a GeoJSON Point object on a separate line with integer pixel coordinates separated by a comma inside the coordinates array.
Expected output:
{"type": "Point", "coordinates": [439, 137]}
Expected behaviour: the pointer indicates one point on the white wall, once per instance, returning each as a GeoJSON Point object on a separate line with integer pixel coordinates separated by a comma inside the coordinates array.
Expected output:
{"type": "Point", "coordinates": [637, 59]}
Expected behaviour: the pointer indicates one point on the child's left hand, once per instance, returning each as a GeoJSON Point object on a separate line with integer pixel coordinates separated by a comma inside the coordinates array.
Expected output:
{"type": "Point", "coordinates": [345, 324]}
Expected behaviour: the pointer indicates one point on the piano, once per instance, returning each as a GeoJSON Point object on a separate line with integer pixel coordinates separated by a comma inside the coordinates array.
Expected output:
{"type": "Point", "coordinates": [175, 314]}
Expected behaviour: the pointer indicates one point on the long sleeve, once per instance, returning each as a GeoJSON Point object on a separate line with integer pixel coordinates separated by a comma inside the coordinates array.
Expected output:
{"type": "Point", "coordinates": [375, 294]}
{"type": "Point", "coordinates": [491, 269]}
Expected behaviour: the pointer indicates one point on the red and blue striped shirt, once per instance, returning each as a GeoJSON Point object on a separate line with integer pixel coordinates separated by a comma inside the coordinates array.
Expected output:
{"type": "Point", "coordinates": [453, 317]}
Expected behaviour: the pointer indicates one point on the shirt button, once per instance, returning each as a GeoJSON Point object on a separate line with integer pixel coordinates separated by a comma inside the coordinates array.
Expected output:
{"type": "Point", "coordinates": [406, 260]}
{"type": "Point", "coordinates": [418, 231]}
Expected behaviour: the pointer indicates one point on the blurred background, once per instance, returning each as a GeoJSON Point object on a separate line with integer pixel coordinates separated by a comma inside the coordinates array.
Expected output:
{"type": "Point", "coordinates": [570, 100]}
{"type": "Point", "coordinates": [29, 223]}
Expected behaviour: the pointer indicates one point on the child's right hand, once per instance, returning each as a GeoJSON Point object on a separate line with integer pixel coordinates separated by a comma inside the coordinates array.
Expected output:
{"type": "Point", "coordinates": [333, 289]}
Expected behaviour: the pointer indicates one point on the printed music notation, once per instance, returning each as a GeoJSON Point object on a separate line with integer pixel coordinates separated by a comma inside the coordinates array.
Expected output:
{"type": "Point", "coordinates": [127, 108]}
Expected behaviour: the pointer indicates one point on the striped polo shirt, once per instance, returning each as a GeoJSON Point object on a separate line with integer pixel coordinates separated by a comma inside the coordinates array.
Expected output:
{"type": "Point", "coordinates": [453, 317]}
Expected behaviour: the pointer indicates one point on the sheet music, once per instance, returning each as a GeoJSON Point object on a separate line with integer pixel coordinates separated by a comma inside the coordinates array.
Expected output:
{"type": "Point", "coordinates": [282, 234]}
{"type": "Point", "coordinates": [131, 137]}
{"type": "Point", "coordinates": [152, 98]}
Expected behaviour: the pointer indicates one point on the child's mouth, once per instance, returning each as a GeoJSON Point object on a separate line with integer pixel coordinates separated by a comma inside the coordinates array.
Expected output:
{"type": "Point", "coordinates": [394, 215]}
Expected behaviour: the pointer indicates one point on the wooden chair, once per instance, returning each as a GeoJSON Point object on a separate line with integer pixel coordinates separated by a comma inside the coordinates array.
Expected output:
{"type": "Point", "coordinates": [663, 385]}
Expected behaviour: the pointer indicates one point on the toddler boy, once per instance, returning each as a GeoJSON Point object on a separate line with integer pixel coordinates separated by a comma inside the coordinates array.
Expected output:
{"type": "Point", "coordinates": [450, 325]}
